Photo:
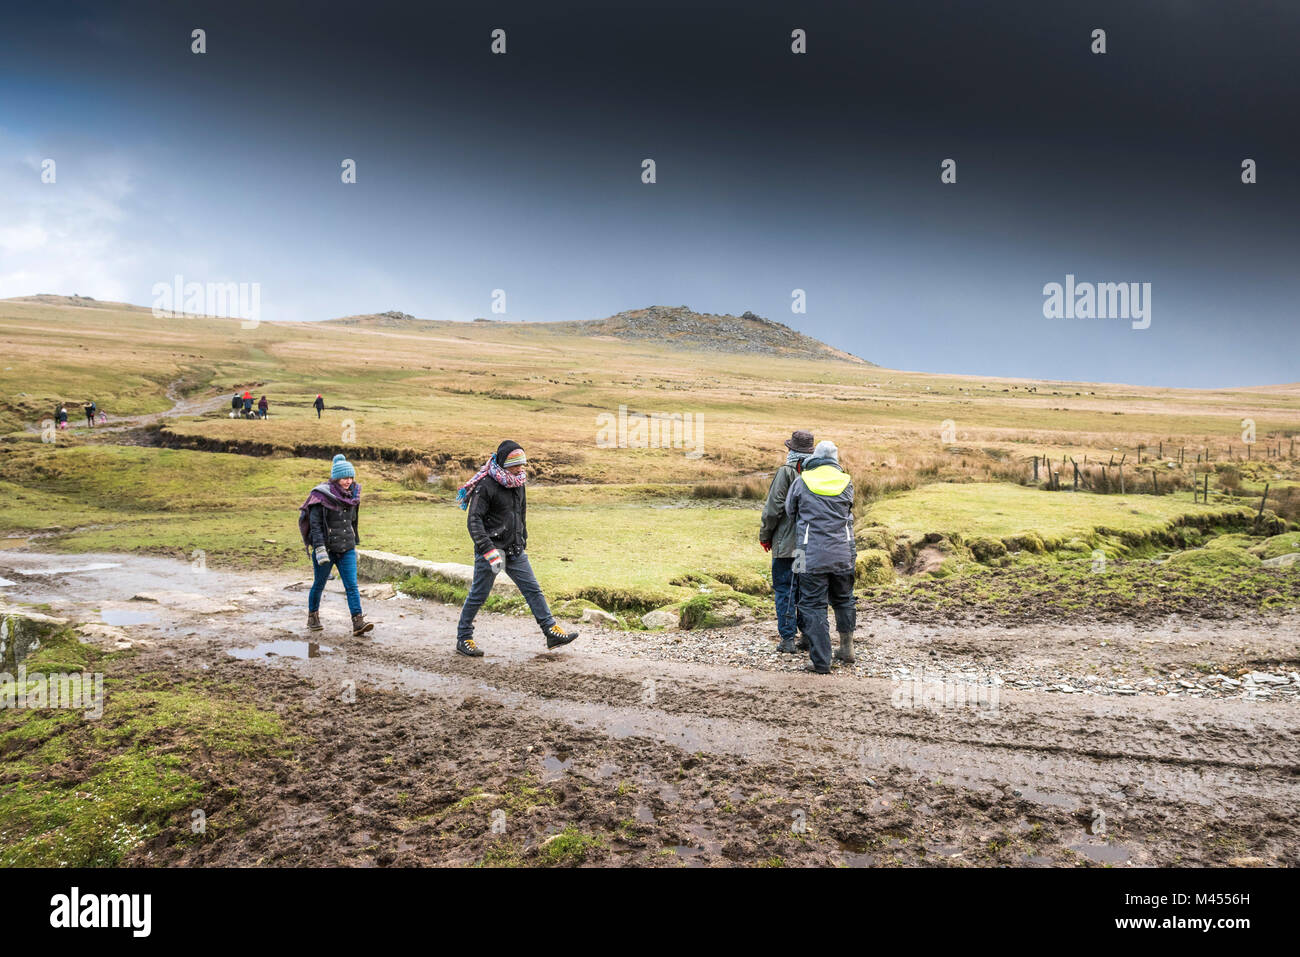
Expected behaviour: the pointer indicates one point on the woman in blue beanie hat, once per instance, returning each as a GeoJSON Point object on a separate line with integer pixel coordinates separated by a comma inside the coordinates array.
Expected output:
{"type": "Point", "coordinates": [328, 524]}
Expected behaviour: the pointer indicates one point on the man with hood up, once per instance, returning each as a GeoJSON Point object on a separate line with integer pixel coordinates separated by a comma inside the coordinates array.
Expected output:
{"type": "Point", "coordinates": [821, 501]}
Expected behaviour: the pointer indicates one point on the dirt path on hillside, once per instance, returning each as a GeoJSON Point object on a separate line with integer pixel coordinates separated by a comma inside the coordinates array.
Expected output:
{"type": "Point", "coordinates": [659, 759]}
{"type": "Point", "coordinates": [117, 424]}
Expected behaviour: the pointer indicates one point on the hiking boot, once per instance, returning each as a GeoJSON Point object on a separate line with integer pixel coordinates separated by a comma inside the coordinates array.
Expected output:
{"type": "Point", "coordinates": [845, 651]}
{"type": "Point", "coordinates": [815, 670]}
{"type": "Point", "coordinates": [556, 636]}
{"type": "Point", "coordinates": [313, 621]}
{"type": "Point", "coordinates": [360, 626]}
{"type": "Point", "coordinates": [801, 643]}
{"type": "Point", "coordinates": [466, 647]}
{"type": "Point", "coordinates": [786, 647]}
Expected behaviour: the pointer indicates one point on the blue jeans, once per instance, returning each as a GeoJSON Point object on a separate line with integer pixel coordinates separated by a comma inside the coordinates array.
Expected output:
{"type": "Point", "coordinates": [347, 566]}
{"type": "Point", "coordinates": [521, 573]}
{"type": "Point", "coordinates": [785, 583]}
{"type": "Point", "coordinates": [816, 590]}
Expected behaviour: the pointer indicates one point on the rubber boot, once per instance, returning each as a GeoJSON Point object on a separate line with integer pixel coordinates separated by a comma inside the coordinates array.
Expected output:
{"type": "Point", "coordinates": [845, 652]}
{"type": "Point", "coordinates": [360, 626]}
{"type": "Point", "coordinates": [313, 621]}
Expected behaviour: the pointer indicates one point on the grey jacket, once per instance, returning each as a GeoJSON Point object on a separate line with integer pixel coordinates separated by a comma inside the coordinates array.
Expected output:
{"type": "Point", "coordinates": [821, 502]}
{"type": "Point", "coordinates": [777, 524]}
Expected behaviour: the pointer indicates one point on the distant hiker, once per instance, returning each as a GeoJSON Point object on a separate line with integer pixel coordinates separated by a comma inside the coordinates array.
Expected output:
{"type": "Point", "coordinates": [90, 409]}
{"type": "Point", "coordinates": [494, 499]}
{"type": "Point", "coordinates": [236, 404]}
{"type": "Point", "coordinates": [320, 406]}
{"type": "Point", "coordinates": [776, 535]}
{"type": "Point", "coordinates": [262, 406]}
{"type": "Point", "coordinates": [61, 417]}
{"type": "Point", "coordinates": [248, 404]}
{"type": "Point", "coordinates": [328, 524]}
{"type": "Point", "coordinates": [821, 501]}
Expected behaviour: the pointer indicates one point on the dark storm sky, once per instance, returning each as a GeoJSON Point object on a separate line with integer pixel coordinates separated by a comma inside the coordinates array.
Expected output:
{"type": "Point", "coordinates": [775, 171]}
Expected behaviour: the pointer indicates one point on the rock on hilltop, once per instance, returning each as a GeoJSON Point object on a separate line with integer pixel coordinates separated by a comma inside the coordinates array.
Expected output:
{"type": "Point", "coordinates": [679, 325]}
{"type": "Point", "coordinates": [668, 325]}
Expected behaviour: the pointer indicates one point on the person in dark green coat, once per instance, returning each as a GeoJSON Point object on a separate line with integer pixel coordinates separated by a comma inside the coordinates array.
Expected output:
{"type": "Point", "coordinates": [776, 535]}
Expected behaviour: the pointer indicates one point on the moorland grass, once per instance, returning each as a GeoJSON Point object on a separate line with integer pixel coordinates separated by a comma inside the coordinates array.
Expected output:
{"type": "Point", "coordinates": [85, 793]}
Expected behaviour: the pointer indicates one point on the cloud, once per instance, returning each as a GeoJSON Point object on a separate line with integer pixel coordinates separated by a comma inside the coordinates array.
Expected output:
{"type": "Point", "coordinates": [69, 236]}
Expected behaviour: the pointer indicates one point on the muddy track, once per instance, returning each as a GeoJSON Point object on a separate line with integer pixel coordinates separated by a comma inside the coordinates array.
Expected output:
{"type": "Point", "coordinates": [117, 425]}
{"type": "Point", "coordinates": [844, 723]}
{"type": "Point", "coordinates": [1182, 780]}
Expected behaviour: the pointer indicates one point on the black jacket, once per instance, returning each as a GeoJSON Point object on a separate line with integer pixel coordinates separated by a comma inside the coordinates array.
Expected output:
{"type": "Point", "coordinates": [319, 404]}
{"type": "Point", "coordinates": [497, 517]}
{"type": "Point", "coordinates": [336, 529]}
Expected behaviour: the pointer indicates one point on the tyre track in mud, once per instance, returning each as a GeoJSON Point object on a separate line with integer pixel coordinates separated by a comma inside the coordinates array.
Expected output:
{"type": "Point", "coordinates": [1087, 749]}
{"type": "Point", "coordinates": [1183, 780]}
{"type": "Point", "coordinates": [1208, 751]}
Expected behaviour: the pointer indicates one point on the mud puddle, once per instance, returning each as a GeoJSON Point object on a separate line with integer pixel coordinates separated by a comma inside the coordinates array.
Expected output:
{"type": "Point", "coordinates": [120, 617]}
{"type": "Point", "coordinates": [281, 649]}
{"type": "Point", "coordinates": [71, 569]}
{"type": "Point", "coordinates": [1103, 853]}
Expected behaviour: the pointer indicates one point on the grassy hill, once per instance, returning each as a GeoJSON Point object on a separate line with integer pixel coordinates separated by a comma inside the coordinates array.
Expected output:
{"type": "Point", "coordinates": [939, 461]}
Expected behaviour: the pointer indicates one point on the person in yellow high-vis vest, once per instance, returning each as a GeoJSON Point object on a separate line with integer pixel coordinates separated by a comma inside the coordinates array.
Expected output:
{"type": "Point", "coordinates": [821, 501]}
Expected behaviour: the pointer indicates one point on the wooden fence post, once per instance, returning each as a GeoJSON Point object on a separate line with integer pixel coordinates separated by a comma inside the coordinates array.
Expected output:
{"type": "Point", "coordinates": [1262, 500]}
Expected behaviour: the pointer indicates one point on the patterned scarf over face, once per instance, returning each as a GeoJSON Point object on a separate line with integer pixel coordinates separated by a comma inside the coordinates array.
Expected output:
{"type": "Point", "coordinates": [491, 468]}
{"type": "Point", "coordinates": [331, 495]}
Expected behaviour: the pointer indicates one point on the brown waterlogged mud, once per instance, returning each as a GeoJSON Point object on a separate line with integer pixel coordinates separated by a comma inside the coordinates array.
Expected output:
{"type": "Point", "coordinates": [638, 749]}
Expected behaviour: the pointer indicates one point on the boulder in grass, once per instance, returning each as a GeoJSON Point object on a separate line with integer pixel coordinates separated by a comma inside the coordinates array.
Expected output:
{"type": "Point", "coordinates": [662, 618]}
{"type": "Point", "coordinates": [376, 566]}
{"type": "Point", "coordinates": [1282, 561]}
{"type": "Point", "coordinates": [21, 632]}
{"type": "Point", "coordinates": [873, 567]}
{"type": "Point", "coordinates": [596, 616]}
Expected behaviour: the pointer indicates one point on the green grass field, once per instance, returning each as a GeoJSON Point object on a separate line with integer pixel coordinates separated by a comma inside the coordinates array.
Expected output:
{"type": "Point", "coordinates": [934, 457]}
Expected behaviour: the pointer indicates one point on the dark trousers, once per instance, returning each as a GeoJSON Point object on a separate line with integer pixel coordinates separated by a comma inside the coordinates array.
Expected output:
{"type": "Point", "coordinates": [521, 573]}
{"type": "Point", "coordinates": [816, 591]}
{"type": "Point", "coordinates": [785, 585]}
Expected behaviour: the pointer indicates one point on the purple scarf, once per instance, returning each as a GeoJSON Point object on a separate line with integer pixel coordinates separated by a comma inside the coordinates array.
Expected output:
{"type": "Point", "coordinates": [332, 496]}
{"type": "Point", "coordinates": [497, 472]}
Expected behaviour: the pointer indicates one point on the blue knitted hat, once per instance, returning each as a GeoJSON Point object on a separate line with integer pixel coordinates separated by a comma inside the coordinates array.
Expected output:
{"type": "Point", "coordinates": [342, 468]}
